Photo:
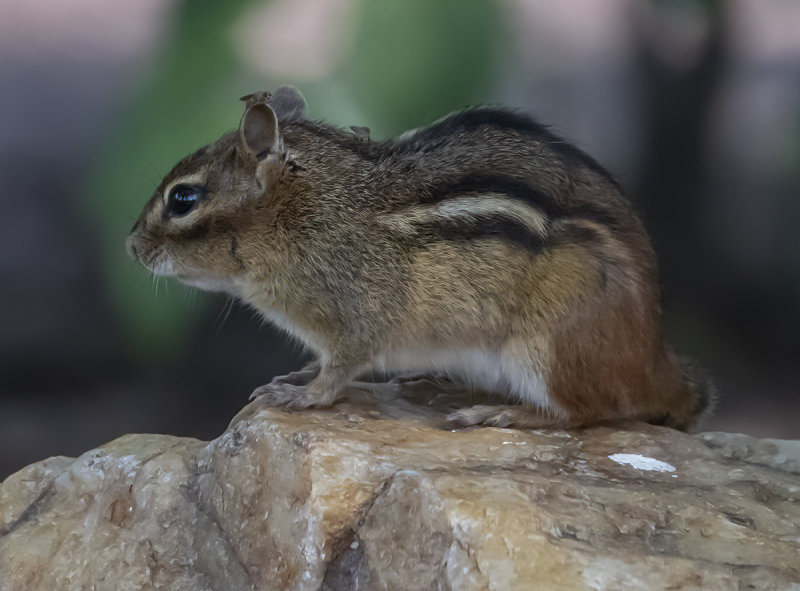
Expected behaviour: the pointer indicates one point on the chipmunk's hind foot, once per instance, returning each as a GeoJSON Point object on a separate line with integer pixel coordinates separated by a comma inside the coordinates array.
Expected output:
{"type": "Point", "coordinates": [509, 415]}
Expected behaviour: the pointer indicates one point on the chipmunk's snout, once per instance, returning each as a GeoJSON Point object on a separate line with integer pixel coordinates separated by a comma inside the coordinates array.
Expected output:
{"type": "Point", "coordinates": [130, 248]}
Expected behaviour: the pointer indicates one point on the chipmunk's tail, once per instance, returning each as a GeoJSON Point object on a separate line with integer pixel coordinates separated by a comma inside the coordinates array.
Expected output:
{"type": "Point", "coordinates": [699, 396]}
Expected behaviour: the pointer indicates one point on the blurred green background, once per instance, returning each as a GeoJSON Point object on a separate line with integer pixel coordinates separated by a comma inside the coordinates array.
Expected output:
{"type": "Point", "coordinates": [693, 104]}
{"type": "Point", "coordinates": [399, 72]}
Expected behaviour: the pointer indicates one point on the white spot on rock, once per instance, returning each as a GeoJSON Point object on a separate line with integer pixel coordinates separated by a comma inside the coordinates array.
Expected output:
{"type": "Point", "coordinates": [641, 462]}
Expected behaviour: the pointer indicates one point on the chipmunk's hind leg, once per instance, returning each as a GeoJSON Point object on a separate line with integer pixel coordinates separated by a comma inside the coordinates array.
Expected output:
{"type": "Point", "coordinates": [411, 379]}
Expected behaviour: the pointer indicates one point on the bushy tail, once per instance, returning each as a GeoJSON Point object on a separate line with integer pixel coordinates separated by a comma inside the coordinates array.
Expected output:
{"type": "Point", "coordinates": [701, 399]}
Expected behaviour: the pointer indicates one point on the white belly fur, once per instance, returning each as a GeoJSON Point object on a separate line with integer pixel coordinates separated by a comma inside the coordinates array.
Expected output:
{"type": "Point", "coordinates": [487, 370]}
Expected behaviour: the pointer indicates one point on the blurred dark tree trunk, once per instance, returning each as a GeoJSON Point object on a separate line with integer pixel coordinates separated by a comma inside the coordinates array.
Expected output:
{"type": "Point", "coordinates": [677, 100]}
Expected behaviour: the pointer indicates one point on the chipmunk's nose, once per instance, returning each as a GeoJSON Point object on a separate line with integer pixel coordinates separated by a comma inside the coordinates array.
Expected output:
{"type": "Point", "coordinates": [130, 247]}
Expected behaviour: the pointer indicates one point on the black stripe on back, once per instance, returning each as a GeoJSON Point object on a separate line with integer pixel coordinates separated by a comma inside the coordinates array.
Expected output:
{"type": "Point", "coordinates": [518, 190]}
{"type": "Point", "coordinates": [576, 234]}
{"type": "Point", "coordinates": [482, 183]}
{"type": "Point", "coordinates": [483, 116]}
{"type": "Point", "coordinates": [601, 215]}
{"type": "Point", "coordinates": [497, 226]}
{"type": "Point", "coordinates": [432, 136]}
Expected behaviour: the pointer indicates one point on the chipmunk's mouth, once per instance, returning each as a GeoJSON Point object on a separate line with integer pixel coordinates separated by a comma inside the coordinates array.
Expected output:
{"type": "Point", "coordinates": [207, 283]}
{"type": "Point", "coordinates": [163, 267]}
{"type": "Point", "coordinates": [159, 264]}
{"type": "Point", "coordinates": [154, 259]}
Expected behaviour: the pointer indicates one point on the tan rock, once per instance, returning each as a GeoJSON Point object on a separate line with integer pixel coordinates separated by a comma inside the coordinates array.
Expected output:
{"type": "Point", "coordinates": [376, 494]}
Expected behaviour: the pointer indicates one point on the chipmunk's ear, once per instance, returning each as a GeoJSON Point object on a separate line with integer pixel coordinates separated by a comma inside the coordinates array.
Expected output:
{"type": "Point", "coordinates": [259, 130]}
{"type": "Point", "coordinates": [288, 103]}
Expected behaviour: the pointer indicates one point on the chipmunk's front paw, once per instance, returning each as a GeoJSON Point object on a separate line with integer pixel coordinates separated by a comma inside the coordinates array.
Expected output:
{"type": "Point", "coordinates": [299, 378]}
{"type": "Point", "coordinates": [288, 396]}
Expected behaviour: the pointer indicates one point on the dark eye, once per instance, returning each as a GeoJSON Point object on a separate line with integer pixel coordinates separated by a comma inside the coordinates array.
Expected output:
{"type": "Point", "coordinates": [182, 199]}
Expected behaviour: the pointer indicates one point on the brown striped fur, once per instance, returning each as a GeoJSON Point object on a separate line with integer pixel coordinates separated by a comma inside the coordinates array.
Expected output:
{"type": "Point", "coordinates": [483, 246]}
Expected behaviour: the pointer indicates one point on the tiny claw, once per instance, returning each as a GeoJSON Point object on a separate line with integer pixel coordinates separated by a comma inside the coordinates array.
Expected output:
{"type": "Point", "coordinates": [278, 394]}
{"type": "Point", "coordinates": [290, 396]}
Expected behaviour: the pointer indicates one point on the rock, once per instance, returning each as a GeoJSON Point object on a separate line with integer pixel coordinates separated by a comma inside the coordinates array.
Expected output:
{"type": "Point", "coordinates": [376, 494]}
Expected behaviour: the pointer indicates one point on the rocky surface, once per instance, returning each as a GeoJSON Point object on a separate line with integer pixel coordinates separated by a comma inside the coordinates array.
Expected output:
{"type": "Point", "coordinates": [377, 494]}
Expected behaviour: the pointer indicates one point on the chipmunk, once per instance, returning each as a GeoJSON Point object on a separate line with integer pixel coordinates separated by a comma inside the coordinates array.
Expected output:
{"type": "Point", "coordinates": [482, 246]}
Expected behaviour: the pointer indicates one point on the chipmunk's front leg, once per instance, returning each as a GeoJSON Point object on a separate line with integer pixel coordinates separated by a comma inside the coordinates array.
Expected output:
{"type": "Point", "coordinates": [321, 392]}
{"type": "Point", "coordinates": [300, 377]}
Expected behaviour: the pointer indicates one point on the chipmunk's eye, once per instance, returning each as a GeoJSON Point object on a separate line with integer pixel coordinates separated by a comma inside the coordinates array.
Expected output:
{"type": "Point", "coordinates": [182, 199]}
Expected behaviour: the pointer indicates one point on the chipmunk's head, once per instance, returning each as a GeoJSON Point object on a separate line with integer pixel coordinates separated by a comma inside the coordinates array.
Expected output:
{"type": "Point", "coordinates": [192, 227]}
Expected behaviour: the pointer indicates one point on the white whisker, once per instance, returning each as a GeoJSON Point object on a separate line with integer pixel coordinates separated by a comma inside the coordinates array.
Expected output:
{"type": "Point", "coordinates": [224, 313]}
